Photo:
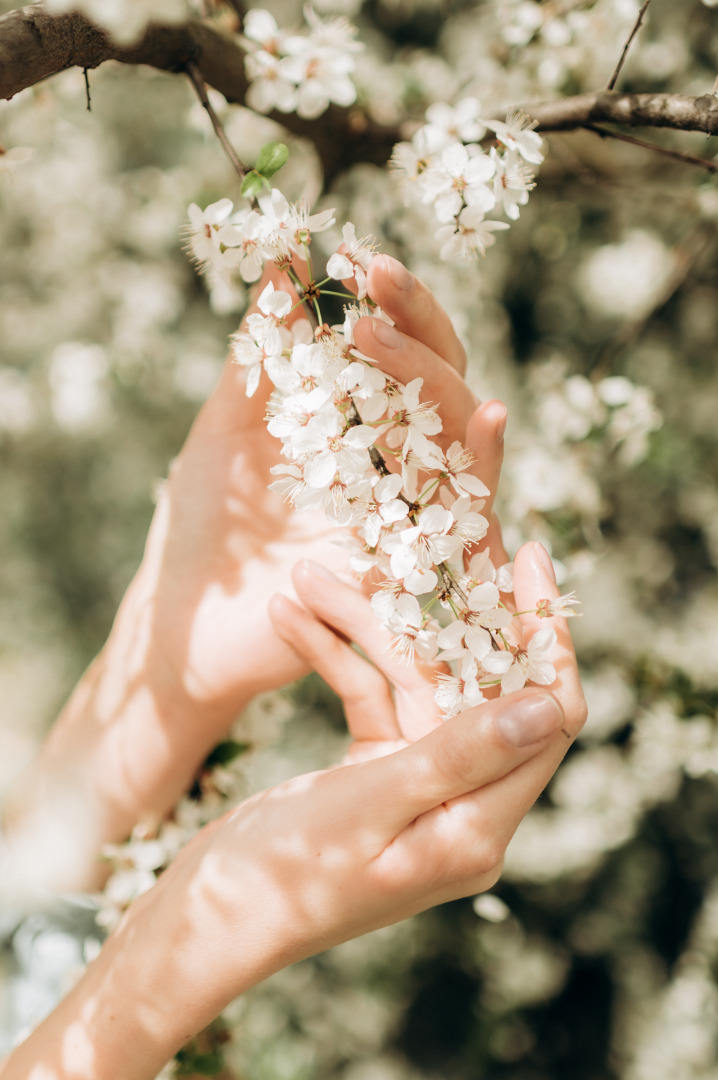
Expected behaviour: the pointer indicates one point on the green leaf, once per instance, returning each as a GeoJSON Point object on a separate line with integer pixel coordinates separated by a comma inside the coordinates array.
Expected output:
{"type": "Point", "coordinates": [225, 752]}
{"type": "Point", "coordinates": [271, 158]}
{"type": "Point", "coordinates": [253, 185]}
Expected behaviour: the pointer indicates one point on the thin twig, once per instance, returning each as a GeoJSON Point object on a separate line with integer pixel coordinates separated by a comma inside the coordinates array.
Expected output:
{"type": "Point", "coordinates": [199, 85]}
{"type": "Point", "coordinates": [687, 159]}
{"type": "Point", "coordinates": [87, 89]}
{"type": "Point", "coordinates": [715, 86]}
{"type": "Point", "coordinates": [637, 25]}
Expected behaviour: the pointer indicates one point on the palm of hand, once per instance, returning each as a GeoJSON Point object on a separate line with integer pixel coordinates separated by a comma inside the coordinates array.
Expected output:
{"type": "Point", "coordinates": [220, 546]}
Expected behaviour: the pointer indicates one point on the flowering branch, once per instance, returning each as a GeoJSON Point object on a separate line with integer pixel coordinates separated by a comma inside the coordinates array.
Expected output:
{"type": "Point", "coordinates": [35, 45]}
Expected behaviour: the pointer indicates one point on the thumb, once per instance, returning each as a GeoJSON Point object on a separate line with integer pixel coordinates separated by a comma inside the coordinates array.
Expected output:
{"type": "Point", "coordinates": [467, 752]}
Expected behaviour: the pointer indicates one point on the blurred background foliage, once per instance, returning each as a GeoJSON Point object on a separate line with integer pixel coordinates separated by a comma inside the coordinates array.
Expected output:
{"type": "Point", "coordinates": [596, 319]}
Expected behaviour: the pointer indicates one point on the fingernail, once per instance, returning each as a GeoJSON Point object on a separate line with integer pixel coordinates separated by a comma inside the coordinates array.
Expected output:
{"type": "Point", "coordinates": [386, 335]}
{"type": "Point", "coordinates": [544, 560]}
{"type": "Point", "coordinates": [399, 275]}
{"type": "Point", "coordinates": [526, 721]}
{"type": "Point", "coordinates": [317, 570]}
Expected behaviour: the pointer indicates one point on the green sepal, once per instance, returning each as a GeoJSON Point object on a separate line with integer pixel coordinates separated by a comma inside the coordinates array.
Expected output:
{"type": "Point", "coordinates": [254, 184]}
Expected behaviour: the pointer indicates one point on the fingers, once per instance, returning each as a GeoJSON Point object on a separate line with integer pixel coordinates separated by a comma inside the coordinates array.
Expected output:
{"type": "Point", "coordinates": [495, 542]}
{"type": "Point", "coordinates": [365, 693]}
{"type": "Point", "coordinates": [404, 358]}
{"type": "Point", "coordinates": [414, 309]}
{"type": "Point", "coordinates": [534, 580]}
{"type": "Point", "coordinates": [349, 613]}
{"type": "Point", "coordinates": [485, 439]}
{"type": "Point", "coordinates": [472, 750]}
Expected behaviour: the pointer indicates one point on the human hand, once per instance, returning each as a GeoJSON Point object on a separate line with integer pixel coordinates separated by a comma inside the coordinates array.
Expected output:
{"type": "Point", "coordinates": [221, 543]}
{"type": "Point", "coordinates": [420, 813]}
{"type": "Point", "coordinates": [193, 641]}
{"type": "Point", "coordinates": [225, 543]}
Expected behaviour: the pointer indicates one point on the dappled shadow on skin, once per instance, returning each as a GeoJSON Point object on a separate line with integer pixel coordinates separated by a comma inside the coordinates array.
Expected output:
{"type": "Point", "coordinates": [196, 636]}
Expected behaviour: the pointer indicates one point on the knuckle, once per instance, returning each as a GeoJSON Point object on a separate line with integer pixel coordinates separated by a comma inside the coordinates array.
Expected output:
{"type": "Point", "coordinates": [488, 860]}
{"type": "Point", "coordinates": [452, 761]}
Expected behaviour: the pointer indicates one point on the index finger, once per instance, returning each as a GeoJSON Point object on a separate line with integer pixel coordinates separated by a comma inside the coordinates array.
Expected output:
{"type": "Point", "coordinates": [414, 309]}
{"type": "Point", "coordinates": [534, 580]}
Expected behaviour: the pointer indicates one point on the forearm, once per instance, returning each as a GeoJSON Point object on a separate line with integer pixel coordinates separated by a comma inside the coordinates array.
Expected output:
{"type": "Point", "coordinates": [124, 749]}
{"type": "Point", "coordinates": [176, 960]}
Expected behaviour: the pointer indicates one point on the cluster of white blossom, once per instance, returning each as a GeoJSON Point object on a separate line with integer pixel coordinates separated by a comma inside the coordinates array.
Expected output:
{"type": "Point", "coordinates": [444, 167]}
{"type": "Point", "coordinates": [359, 446]}
{"type": "Point", "coordinates": [302, 73]}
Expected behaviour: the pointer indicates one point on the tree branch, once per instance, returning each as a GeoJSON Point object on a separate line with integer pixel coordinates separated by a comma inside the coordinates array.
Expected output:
{"type": "Point", "coordinates": [35, 45]}
{"type": "Point", "coordinates": [676, 111]}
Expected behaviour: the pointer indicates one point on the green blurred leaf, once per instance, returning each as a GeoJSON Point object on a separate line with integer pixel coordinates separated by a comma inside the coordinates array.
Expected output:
{"type": "Point", "coordinates": [209, 1064]}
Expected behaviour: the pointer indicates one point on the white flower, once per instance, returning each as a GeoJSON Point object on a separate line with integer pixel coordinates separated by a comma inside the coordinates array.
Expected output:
{"type": "Point", "coordinates": [411, 636]}
{"type": "Point", "coordinates": [420, 416]}
{"type": "Point", "coordinates": [512, 182]}
{"type": "Point", "coordinates": [410, 160]}
{"type": "Point", "coordinates": [459, 180]}
{"type": "Point", "coordinates": [203, 232]}
{"type": "Point", "coordinates": [460, 123]}
{"type": "Point", "coordinates": [470, 237]}
{"type": "Point", "coordinates": [458, 460]}
{"type": "Point", "coordinates": [470, 633]}
{"type": "Point", "coordinates": [330, 452]}
{"type": "Point", "coordinates": [560, 605]}
{"type": "Point", "coordinates": [269, 87]}
{"type": "Point", "coordinates": [469, 526]}
{"type": "Point", "coordinates": [244, 237]}
{"type": "Point", "coordinates": [454, 694]}
{"type": "Point", "coordinates": [321, 77]}
{"type": "Point", "coordinates": [530, 664]}
{"type": "Point", "coordinates": [518, 134]}
{"type": "Point", "coordinates": [261, 26]}
{"type": "Point", "coordinates": [382, 508]}
{"type": "Point", "coordinates": [288, 227]}
{"type": "Point", "coordinates": [354, 262]}
{"type": "Point", "coordinates": [424, 545]}
{"type": "Point", "coordinates": [335, 34]}
{"type": "Point", "coordinates": [274, 303]}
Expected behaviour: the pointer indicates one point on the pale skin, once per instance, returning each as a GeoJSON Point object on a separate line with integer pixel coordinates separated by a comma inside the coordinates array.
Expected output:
{"type": "Point", "coordinates": [419, 812]}
{"type": "Point", "coordinates": [183, 657]}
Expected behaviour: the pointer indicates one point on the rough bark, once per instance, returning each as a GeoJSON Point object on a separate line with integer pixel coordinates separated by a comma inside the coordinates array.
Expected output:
{"type": "Point", "coordinates": [35, 45]}
{"type": "Point", "coordinates": [676, 111]}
